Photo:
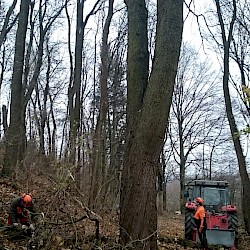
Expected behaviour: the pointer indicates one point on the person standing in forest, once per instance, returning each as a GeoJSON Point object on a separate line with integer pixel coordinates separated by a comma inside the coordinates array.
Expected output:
{"type": "Point", "coordinates": [200, 220]}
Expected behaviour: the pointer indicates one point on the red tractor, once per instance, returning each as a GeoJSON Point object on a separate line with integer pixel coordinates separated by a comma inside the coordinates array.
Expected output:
{"type": "Point", "coordinates": [221, 216]}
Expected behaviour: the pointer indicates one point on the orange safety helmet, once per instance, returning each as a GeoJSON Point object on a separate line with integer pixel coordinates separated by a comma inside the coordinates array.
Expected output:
{"type": "Point", "coordinates": [27, 199]}
{"type": "Point", "coordinates": [199, 200]}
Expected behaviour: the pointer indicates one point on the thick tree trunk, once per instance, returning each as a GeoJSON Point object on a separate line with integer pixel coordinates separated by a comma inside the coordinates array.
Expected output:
{"type": "Point", "coordinates": [16, 138]}
{"type": "Point", "coordinates": [147, 114]}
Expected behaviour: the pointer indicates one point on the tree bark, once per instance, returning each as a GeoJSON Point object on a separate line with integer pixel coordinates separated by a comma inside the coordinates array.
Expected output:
{"type": "Point", "coordinates": [147, 115]}
{"type": "Point", "coordinates": [182, 163]}
{"type": "Point", "coordinates": [160, 190]}
{"type": "Point", "coordinates": [16, 138]}
{"type": "Point", "coordinates": [5, 123]}
{"type": "Point", "coordinates": [74, 93]}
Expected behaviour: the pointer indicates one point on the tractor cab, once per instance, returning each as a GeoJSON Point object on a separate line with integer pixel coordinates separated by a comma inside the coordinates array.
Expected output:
{"type": "Point", "coordinates": [214, 193]}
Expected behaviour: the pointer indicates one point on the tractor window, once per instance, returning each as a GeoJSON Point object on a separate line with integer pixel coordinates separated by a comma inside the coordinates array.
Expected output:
{"type": "Point", "coordinates": [215, 196]}
{"type": "Point", "coordinates": [224, 196]}
{"type": "Point", "coordinates": [195, 192]}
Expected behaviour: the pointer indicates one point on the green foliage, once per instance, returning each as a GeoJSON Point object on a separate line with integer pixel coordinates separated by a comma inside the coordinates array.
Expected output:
{"type": "Point", "coordinates": [244, 131]}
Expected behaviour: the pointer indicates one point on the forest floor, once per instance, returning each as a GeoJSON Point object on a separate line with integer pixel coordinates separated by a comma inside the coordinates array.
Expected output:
{"type": "Point", "coordinates": [55, 231]}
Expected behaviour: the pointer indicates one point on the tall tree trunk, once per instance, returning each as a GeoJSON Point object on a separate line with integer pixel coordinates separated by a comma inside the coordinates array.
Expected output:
{"type": "Point", "coordinates": [16, 138]}
{"type": "Point", "coordinates": [52, 135]}
{"type": "Point", "coordinates": [75, 89]}
{"type": "Point", "coordinates": [233, 126]}
{"type": "Point", "coordinates": [160, 190]}
{"type": "Point", "coordinates": [3, 114]}
{"type": "Point", "coordinates": [43, 108]}
{"type": "Point", "coordinates": [164, 198]}
{"type": "Point", "coordinates": [182, 162]}
{"type": "Point", "coordinates": [148, 108]}
{"type": "Point", "coordinates": [99, 136]}
{"type": "Point", "coordinates": [4, 121]}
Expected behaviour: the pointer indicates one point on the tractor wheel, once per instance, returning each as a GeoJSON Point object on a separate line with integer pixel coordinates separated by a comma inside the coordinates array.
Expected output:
{"type": "Point", "coordinates": [189, 224]}
{"type": "Point", "coordinates": [233, 224]}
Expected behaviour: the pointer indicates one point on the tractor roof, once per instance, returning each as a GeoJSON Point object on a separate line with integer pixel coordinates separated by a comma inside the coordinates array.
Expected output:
{"type": "Point", "coordinates": [208, 183]}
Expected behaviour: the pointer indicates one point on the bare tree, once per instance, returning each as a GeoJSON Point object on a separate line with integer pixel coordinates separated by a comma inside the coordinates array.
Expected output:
{"type": "Point", "coordinates": [239, 53]}
{"type": "Point", "coordinates": [7, 26]}
{"type": "Point", "coordinates": [15, 137]}
{"type": "Point", "coordinates": [227, 37]}
{"type": "Point", "coordinates": [27, 80]}
{"type": "Point", "coordinates": [75, 82]}
{"type": "Point", "coordinates": [193, 117]}
{"type": "Point", "coordinates": [76, 89]}
{"type": "Point", "coordinates": [99, 136]}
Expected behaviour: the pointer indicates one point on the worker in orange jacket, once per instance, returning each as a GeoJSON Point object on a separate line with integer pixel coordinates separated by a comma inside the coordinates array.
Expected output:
{"type": "Point", "coordinates": [21, 212]}
{"type": "Point", "coordinates": [200, 220]}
